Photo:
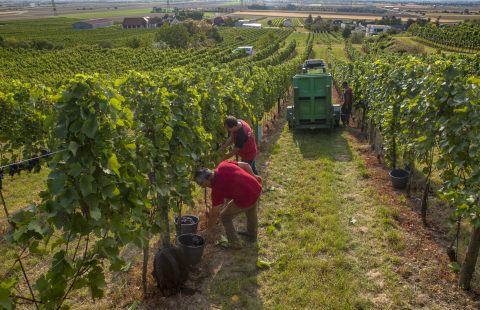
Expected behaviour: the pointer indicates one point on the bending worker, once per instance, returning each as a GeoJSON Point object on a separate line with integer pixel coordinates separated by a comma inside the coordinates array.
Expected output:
{"type": "Point", "coordinates": [236, 188]}
{"type": "Point", "coordinates": [243, 139]}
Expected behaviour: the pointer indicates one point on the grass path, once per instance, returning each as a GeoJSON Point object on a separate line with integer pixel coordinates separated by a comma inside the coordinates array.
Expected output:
{"type": "Point", "coordinates": [331, 240]}
{"type": "Point", "coordinates": [311, 247]}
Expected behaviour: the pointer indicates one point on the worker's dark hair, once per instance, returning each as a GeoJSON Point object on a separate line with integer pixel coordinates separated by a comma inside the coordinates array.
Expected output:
{"type": "Point", "coordinates": [345, 83]}
{"type": "Point", "coordinates": [230, 121]}
{"type": "Point", "coordinates": [202, 174]}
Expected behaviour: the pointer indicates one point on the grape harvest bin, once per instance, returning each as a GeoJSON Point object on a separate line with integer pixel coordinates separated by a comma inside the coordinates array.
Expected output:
{"type": "Point", "coordinates": [312, 103]}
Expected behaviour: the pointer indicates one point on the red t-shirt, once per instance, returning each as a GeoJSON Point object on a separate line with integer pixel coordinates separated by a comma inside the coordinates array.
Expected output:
{"type": "Point", "coordinates": [244, 139]}
{"type": "Point", "coordinates": [232, 182]}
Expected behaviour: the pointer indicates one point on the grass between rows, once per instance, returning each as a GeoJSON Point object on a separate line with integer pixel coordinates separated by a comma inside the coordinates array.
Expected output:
{"type": "Point", "coordinates": [328, 236]}
{"type": "Point", "coordinates": [321, 43]}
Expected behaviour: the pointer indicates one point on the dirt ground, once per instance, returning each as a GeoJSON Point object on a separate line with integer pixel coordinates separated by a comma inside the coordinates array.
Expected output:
{"type": "Point", "coordinates": [425, 258]}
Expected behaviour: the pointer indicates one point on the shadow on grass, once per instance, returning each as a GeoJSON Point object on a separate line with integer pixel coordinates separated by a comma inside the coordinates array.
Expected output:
{"type": "Point", "coordinates": [234, 283]}
{"type": "Point", "coordinates": [323, 143]}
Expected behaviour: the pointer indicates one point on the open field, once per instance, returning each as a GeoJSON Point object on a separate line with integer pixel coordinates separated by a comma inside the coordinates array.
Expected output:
{"type": "Point", "coordinates": [330, 15]}
{"type": "Point", "coordinates": [83, 10]}
{"type": "Point", "coordinates": [97, 9]}
{"type": "Point", "coordinates": [410, 41]}
{"type": "Point", "coordinates": [325, 40]}
{"type": "Point", "coordinates": [452, 17]}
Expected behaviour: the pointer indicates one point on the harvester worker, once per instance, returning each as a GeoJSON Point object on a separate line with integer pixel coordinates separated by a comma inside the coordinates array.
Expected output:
{"type": "Point", "coordinates": [236, 188]}
{"type": "Point", "coordinates": [243, 139]}
{"type": "Point", "coordinates": [347, 104]}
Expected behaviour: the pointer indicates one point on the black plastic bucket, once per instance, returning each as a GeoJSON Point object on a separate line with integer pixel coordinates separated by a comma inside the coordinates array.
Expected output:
{"type": "Point", "coordinates": [192, 247]}
{"type": "Point", "coordinates": [399, 178]}
{"type": "Point", "coordinates": [190, 226]}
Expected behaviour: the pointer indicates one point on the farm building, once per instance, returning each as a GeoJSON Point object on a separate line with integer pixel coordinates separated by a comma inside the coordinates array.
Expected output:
{"type": "Point", "coordinates": [93, 23]}
{"type": "Point", "coordinates": [135, 22]}
{"type": "Point", "coordinates": [146, 22]}
{"type": "Point", "coordinates": [155, 22]}
{"type": "Point", "coordinates": [346, 24]}
{"type": "Point", "coordinates": [174, 21]}
{"type": "Point", "coordinates": [360, 27]}
{"type": "Point", "coordinates": [239, 23]}
{"type": "Point", "coordinates": [287, 22]}
{"type": "Point", "coordinates": [376, 29]}
{"type": "Point", "coordinates": [252, 25]}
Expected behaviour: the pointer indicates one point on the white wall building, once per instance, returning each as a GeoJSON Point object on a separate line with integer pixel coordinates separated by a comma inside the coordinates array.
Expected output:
{"type": "Point", "coordinates": [239, 23]}
{"type": "Point", "coordinates": [376, 29]}
{"type": "Point", "coordinates": [252, 25]}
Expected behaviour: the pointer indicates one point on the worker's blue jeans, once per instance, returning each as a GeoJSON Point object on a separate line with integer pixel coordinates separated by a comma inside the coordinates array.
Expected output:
{"type": "Point", "coordinates": [252, 164]}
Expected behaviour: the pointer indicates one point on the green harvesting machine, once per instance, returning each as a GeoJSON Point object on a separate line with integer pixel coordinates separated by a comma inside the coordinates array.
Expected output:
{"type": "Point", "coordinates": [312, 104]}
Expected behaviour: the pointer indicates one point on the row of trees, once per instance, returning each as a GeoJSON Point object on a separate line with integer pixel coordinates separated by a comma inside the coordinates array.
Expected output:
{"type": "Point", "coordinates": [187, 34]}
{"type": "Point", "coordinates": [465, 36]}
{"type": "Point", "coordinates": [35, 44]}
{"type": "Point", "coordinates": [318, 24]}
{"type": "Point", "coordinates": [440, 95]}
{"type": "Point", "coordinates": [59, 65]}
{"type": "Point", "coordinates": [127, 151]}
{"type": "Point", "coordinates": [181, 14]}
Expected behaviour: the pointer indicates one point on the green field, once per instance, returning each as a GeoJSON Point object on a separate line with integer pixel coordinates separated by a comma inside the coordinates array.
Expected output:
{"type": "Point", "coordinates": [325, 40]}
{"type": "Point", "coordinates": [106, 14]}
{"type": "Point", "coordinates": [59, 31]}
{"type": "Point", "coordinates": [132, 114]}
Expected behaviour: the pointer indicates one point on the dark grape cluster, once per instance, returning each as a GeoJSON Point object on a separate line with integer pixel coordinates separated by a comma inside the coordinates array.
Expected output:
{"type": "Point", "coordinates": [29, 165]}
{"type": "Point", "coordinates": [197, 240]}
{"type": "Point", "coordinates": [185, 220]}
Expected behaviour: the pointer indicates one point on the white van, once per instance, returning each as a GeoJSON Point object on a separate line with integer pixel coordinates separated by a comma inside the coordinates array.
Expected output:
{"type": "Point", "coordinates": [246, 49]}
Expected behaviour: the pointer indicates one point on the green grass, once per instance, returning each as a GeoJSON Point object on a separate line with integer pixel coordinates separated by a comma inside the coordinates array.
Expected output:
{"type": "Point", "coordinates": [410, 42]}
{"type": "Point", "coordinates": [332, 240]}
{"type": "Point", "coordinates": [20, 191]}
{"type": "Point", "coordinates": [59, 31]}
{"type": "Point", "coordinates": [323, 41]}
{"type": "Point", "coordinates": [318, 201]}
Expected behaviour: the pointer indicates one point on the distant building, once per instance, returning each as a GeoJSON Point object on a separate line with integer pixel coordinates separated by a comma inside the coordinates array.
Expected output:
{"type": "Point", "coordinates": [252, 25]}
{"type": "Point", "coordinates": [360, 27]}
{"type": "Point", "coordinates": [93, 23]}
{"type": "Point", "coordinates": [239, 23]}
{"type": "Point", "coordinates": [376, 29]}
{"type": "Point", "coordinates": [287, 22]}
{"type": "Point", "coordinates": [135, 22]}
{"type": "Point", "coordinates": [155, 22]}
{"type": "Point", "coordinates": [346, 24]}
{"type": "Point", "coordinates": [174, 21]}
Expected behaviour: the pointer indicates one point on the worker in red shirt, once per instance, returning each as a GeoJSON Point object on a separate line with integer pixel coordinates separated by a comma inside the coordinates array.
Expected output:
{"type": "Point", "coordinates": [236, 188]}
{"type": "Point", "coordinates": [243, 139]}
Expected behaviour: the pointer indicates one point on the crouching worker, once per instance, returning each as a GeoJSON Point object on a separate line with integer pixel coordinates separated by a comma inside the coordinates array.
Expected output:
{"type": "Point", "coordinates": [236, 188]}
